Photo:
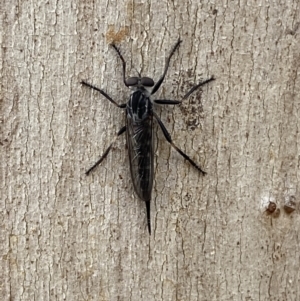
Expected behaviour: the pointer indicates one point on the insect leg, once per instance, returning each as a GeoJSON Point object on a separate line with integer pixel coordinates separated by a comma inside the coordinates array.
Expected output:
{"type": "Point", "coordinates": [169, 139]}
{"type": "Point", "coordinates": [123, 62]}
{"type": "Point", "coordinates": [121, 131]}
{"type": "Point", "coordinates": [197, 87]}
{"type": "Point", "coordinates": [158, 84]}
{"type": "Point", "coordinates": [104, 94]}
{"type": "Point", "coordinates": [176, 102]}
{"type": "Point", "coordinates": [167, 102]}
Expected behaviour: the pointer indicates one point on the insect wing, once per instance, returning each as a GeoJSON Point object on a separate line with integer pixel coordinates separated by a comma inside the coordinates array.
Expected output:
{"type": "Point", "coordinates": [140, 151]}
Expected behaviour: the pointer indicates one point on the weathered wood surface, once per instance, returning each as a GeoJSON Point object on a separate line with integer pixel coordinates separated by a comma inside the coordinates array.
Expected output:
{"type": "Point", "coordinates": [65, 236]}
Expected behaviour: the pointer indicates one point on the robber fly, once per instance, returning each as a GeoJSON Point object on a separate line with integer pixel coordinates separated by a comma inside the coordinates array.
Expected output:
{"type": "Point", "coordinates": [139, 128]}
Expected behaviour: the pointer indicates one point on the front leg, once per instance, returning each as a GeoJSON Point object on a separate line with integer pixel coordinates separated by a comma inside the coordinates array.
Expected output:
{"type": "Point", "coordinates": [158, 84]}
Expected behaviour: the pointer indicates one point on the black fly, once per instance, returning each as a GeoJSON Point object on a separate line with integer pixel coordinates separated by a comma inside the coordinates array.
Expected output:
{"type": "Point", "coordinates": [139, 128]}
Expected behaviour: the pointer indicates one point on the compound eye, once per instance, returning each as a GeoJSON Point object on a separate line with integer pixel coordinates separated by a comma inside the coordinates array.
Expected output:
{"type": "Point", "coordinates": [132, 81]}
{"type": "Point", "coordinates": [147, 82]}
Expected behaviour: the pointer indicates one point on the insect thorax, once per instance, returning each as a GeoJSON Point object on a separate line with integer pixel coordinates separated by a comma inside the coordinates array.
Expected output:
{"type": "Point", "coordinates": [139, 106]}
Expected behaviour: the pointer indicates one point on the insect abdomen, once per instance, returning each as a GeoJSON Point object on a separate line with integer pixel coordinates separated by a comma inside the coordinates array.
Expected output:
{"type": "Point", "coordinates": [140, 151]}
{"type": "Point", "coordinates": [139, 124]}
